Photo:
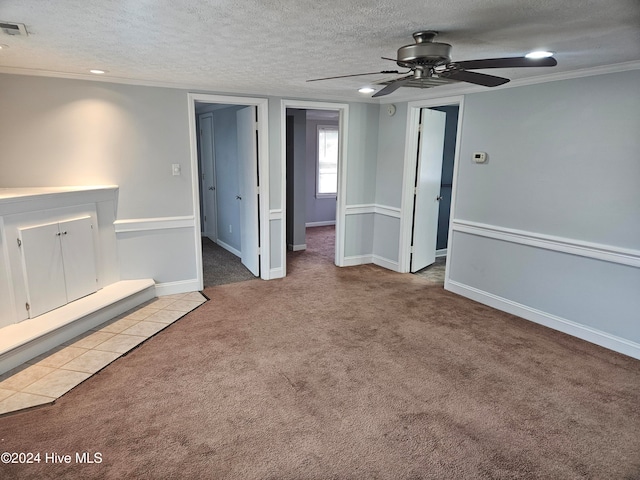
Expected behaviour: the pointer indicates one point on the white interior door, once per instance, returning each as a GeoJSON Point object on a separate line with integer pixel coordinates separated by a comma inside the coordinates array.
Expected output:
{"type": "Point", "coordinates": [43, 269]}
{"type": "Point", "coordinates": [208, 186]}
{"type": "Point", "coordinates": [248, 183]}
{"type": "Point", "coordinates": [428, 175]}
{"type": "Point", "coordinates": [78, 257]}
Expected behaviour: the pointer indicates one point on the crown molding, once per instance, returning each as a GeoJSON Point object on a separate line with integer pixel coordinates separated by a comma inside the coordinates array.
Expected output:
{"type": "Point", "coordinates": [401, 96]}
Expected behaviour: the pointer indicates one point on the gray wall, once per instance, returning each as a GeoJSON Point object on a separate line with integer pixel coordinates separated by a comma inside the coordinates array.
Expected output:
{"type": "Point", "coordinates": [74, 132]}
{"type": "Point", "coordinates": [554, 214]}
{"type": "Point", "coordinates": [70, 132]}
{"type": "Point", "coordinates": [563, 159]}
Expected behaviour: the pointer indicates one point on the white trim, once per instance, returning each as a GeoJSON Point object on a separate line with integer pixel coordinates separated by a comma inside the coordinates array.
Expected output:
{"type": "Point", "coordinates": [262, 105]}
{"type": "Point", "coordinates": [276, 273]}
{"type": "Point", "coordinates": [275, 214]}
{"type": "Point", "coordinates": [387, 211]}
{"type": "Point", "coordinates": [429, 93]}
{"type": "Point", "coordinates": [319, 224]}
{"type": "Point", "coordinates": [441, 253]}
{"type": "Point", "coordinates": [360, 209]}
{"type": "Point", "coordinates": [607, 253]}
{"type": "Point", "coordinates": [584, 332]}
{"type": "Point", "coordinates": [157, 223]}
{"type": "Point", "coordinates": [343, 125]}
{"type": "Point", "coordinates": [409, 174]}
{"type": "Point", "coordinates": [229, 248]}
{"type": "Point", "coordinates": [181, 286]}
{"type": "Point", "coordinates": [354, 260]}
{"type": "Point", "coordinates": [385, 263]}
{"type": "Point", "coordinates": [366, 208]}
{"type": "Point", "coordinates": [297, 248]}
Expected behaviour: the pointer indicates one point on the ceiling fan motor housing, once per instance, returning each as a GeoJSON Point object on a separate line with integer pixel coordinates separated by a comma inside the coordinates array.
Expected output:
{"type": "Point", "coordinates": [424, 52]}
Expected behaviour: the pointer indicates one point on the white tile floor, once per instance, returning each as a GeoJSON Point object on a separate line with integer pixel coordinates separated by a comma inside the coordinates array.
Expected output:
{"type": "Point", "coordinates": [51, 375]}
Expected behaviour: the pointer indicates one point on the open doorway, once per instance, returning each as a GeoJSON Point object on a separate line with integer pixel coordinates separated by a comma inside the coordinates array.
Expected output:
{"type": "Point", "coordinates": [312, 151]}
{"type": "Point", "coordinates": [226, 147]}
{"type": "Point", "coordinates": [314, 146]}
{"type": "Point", "coordinates": [431, 158]}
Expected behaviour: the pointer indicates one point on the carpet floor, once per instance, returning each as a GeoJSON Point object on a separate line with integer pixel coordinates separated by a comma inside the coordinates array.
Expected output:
{"type": "Point", "coordinates": [344, 373]}
{"type": "Point", "coordinates": [220, 266]}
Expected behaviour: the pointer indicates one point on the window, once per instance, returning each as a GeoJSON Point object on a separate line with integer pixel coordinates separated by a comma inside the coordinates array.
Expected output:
{"type": "Point", "coordinates": [327, 174]}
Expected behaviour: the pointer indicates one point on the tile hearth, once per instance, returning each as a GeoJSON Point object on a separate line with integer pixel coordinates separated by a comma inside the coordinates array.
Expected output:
{"type": "Point", "coordinates": [50, 375]}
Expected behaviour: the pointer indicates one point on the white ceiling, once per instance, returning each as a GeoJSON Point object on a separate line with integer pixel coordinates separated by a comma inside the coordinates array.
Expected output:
{"type": "Point", "coordinates": [271, 47]}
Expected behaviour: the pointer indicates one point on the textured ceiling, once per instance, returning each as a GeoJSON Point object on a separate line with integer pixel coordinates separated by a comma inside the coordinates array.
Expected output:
{"type": "Point", "coordinates": [271, 47]}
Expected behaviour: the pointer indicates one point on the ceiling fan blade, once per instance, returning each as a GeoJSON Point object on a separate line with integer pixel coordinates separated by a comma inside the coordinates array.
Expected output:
{"type": "Point", "coordinates": [393, 86]}
{"type": "Point", "coordinates": [355, 75]}
{"type": "Point", "coordinates": [474, 77]}
{"type": "Point", "coordinates": [508, 62]}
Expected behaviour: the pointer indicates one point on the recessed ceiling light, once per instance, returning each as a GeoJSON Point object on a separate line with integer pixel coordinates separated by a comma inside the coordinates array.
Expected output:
{"type": "Point", "coordinates": [367, 90]}
{"type": "Point", "coordinates": [539, 54]}
{"type": "Point", "coordinates": [97, 71]}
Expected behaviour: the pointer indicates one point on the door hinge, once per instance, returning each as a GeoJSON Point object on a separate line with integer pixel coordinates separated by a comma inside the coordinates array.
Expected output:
{"type": "Point", "coordinates": [411, 249]}
{"type": "Point", "coordinates": [259, 251]}
{"type": "Point", "coordinates": [19, 242]}
{"type": "Point", "coordinates": [258, 190]}
{"type": "Point", "coordinates": [420, 128]}
{"type": "Point", "coordinates": [415, 190]}
{"type": "Point", "coordinates": [27, 306]}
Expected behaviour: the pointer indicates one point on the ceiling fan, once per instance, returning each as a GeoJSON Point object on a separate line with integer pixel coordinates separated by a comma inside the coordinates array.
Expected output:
{"type": "Point", "coordinates": [427, 59]}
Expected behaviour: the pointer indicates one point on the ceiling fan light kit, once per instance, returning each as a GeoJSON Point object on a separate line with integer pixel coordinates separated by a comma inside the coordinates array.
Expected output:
{"type": "Point", "coordinates": [427, 61]}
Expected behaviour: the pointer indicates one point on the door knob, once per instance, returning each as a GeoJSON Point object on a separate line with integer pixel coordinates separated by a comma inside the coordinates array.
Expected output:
{"type": "Point", "coordinates": [238, 197]}
{"type": "Point", "coordinates": [211, 188]}
{"type": "Point", "coordinates": [439, 197]}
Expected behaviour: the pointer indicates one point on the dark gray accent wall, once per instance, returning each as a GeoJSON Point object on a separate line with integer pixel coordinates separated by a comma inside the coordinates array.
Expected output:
{"type": "Point", "coordinates": [446, 182]}
{"type": "Point", "coordinates": [296, 176]}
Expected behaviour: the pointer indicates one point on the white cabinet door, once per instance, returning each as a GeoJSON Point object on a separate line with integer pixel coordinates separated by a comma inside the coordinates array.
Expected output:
{"type": "Point", "coordinates": [43, 268]}
{"type": "Point", "coordinates": [78, 257]}
{"type": "Point", "coordinates": [59, 263]}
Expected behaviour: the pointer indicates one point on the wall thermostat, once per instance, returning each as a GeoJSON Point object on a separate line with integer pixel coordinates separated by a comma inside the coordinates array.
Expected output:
{"type": "Point", "coordinates": [479, 157]}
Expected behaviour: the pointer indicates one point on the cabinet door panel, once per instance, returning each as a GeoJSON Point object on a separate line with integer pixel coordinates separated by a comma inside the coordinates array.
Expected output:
{"type": "Point", "coordinates": [78, 257]}
{"type": "Point", "coordinates": [43, 269]}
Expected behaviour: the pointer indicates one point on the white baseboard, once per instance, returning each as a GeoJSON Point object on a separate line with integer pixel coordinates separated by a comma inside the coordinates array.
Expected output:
{"type": "Point", "coordinates": [276, 273]}
{"type": "Point", "coordinates": [229, 248]}
{"type": "Point", "coordinates": [386, 263]}
{"type": "Point", "coordinates": [297, 248]}
{"type": "Point", "coordinates": [357, 260]}
{"type": "Point", "coordinates": [441, 253]}
{"type": "Point", "coordinates": [182, 286]}
{"type": "Point", "coordinates": [320, 224]}
{"type": "Point", "coordinates": [569, 327]}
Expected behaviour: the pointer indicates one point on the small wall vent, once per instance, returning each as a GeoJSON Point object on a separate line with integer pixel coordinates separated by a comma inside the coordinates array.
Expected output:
{"type": "Point", "coordinates": [13, 28]}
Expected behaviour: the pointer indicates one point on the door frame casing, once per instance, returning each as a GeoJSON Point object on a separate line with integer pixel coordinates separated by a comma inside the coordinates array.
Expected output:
{"type": "Point", "coordinates": [341, 198]}
{"type": "Point", "coordinates": [409, 174]}
{"type": "Point", "coordinates": [262, 105]}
